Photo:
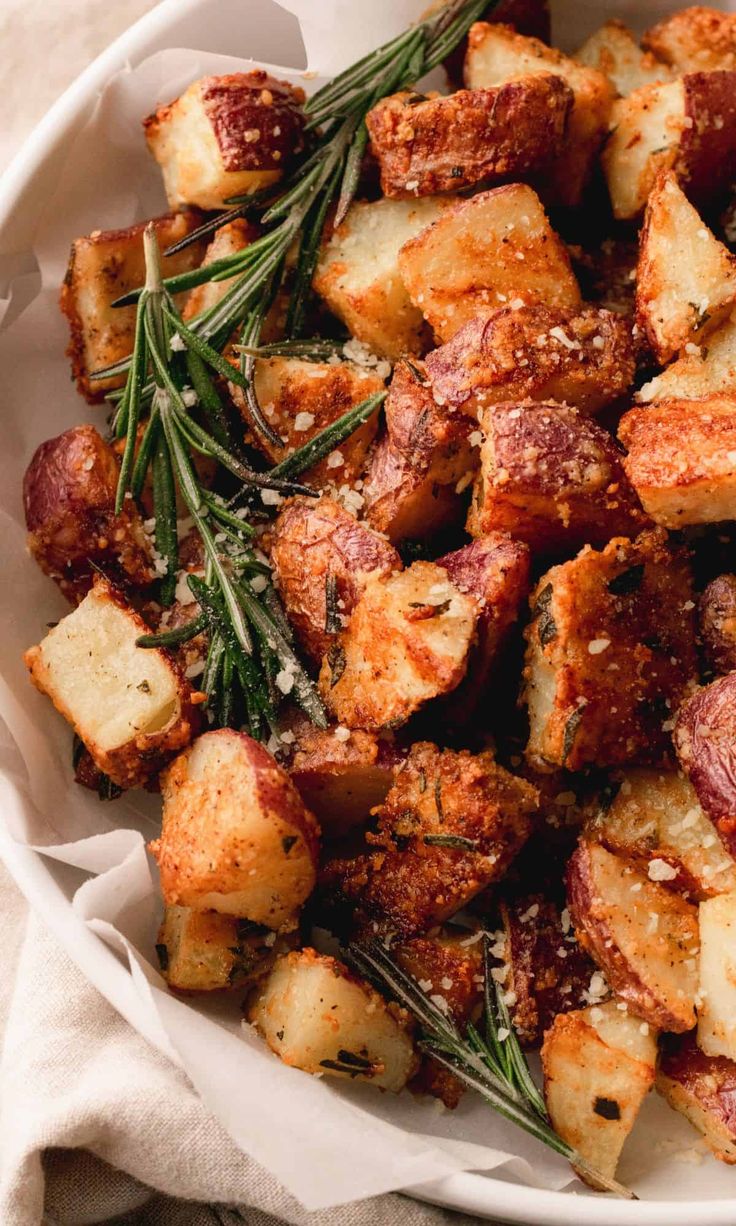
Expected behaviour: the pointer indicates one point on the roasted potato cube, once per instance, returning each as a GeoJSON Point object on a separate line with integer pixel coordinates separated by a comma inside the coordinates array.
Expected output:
{"type": "Point", "coordinates": [318, 1016]}
{"type": "Point", "coordinates": [598, 1068]}
{"type": "Point", "coordinates": [320, 550]}
{"type": "Point", "coordinates": [682, 459]}
{"type": "Point", "coordinates": [426, 144]}
{"type": "Point", "coordinates": [697, 39]}
{"type": "Point", "coordinates": [69, 493]}
{"type": "Point", "coordinates": [611, 651]}
{"type": "Point", "coordinates": [358, 273]}
{"type": "Point", "coordinates": [407, 641]}
{"type": "Point", "coordinates": [654, 820]}
{"type": "Point", "coordinates": [201, 951]}
{"type": "Point", "coordinates": [236, 837]}
{"type": "Point", "coordinates": [584, 358]}
{"type": "Point", "coordinates": [227, 241]}
{"type": "Point", "coordinates": [679, 300]}
{"type": "Point", "coordinates": [551, 478]}
{"type": "Point", "coordinates": [701, 371]}
{"type": "Point", "coordinates": [642, 936]}
{"type": "Point", "coordinates": [494, 248]}
{"type": "Point", "coordinates": [526, 16]}
{"type": "Point", "coordinates": [717, 622]}
{"type": "Point", "coordinates": [687, 125]}
{"type": "Point", "coordinates": [702, 1088]}
{"type": "Point", "coordinates": [102, 267]}
{"type": "Point", "coordinates": [717, 991]}
{"type": "Point", "coordinates": [450, 826]}
{"type": "Point", "coordinates": [705, 740]}
{"type": "Point", "coordinates": [614, 51]}
{"type": "Point", "coordinates": [226, 136]}
{"type": "Point", "coordinates": [497, 54]}
{"type": "Point", "coordinates": [130, 705]}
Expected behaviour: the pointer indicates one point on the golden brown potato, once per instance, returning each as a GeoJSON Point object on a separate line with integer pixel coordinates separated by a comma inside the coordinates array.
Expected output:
{"type": "Point", "coordinates": [407, 642]}
{"type": "Point", "coordinates": [686, 279]}
{"type": "Point", "coordinates": [130, 705]}
{"type": "Point", "coordinates": [497, 54]}
{"type": "Point", "coordinates": [358, 273]}
{"type": "Point", "coordinates": [102, 267]}
{"type": "Point", "coordinates": [226, 136]}
{"type": "Point", "coordinates": [426, 144]}
{"type": "Point", "coordinates": [701, 371]}
{"type": "Point", "coordinates": [201, 951]}
{"type": "Point", "coordinates": [717, 623]}
{"type": "Point", "coordinates": [320, 550]}
{"type": "Point", "coordinates": [705, 740]}
{"type": "Point", "coordinates": [682, 459]}
{"type": "Point", "coordinates": [551, 478]}
{"type": "Point", "coordinates": [526, 16]}
{"type": "Point", "coordinates": [318, 1016]}
{"type": "Point", "coordinates": [611, 652]}
{"type": "Point", "coordinates": [69, 493]}
{"type": "Point", "coordinates": [701, 1088]}
{"type": "Point", "coordinates": [614, 51]}
{"type": "Point", "coordinates": [228, 240]}
{"type": "Point", "coordinates": [585, 358]}
{"type": "Point", "coordinates": [717, 1003]}
{"type": "Point", "coordinates": [651, 963]}
{"type": "Point", "coordinates": [697, 39]}
{"type": "Point", "coordinates": [236, 837]}
{"type": "Point", "coordinates": [494, 248]}
{"type": "Point", "coordinates": [598, 1068]}
{"type": "Point", "coordinates": [654, 819]}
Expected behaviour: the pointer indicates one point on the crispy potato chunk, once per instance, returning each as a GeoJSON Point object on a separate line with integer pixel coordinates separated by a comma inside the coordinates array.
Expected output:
{"type": "Point", "coordinates": [495, 247]}
{"type": "Point", "coordinates": [427, 144]}
{"type": "Point", "coordinates": [69, 493]}
{"type": "Point", "coordinates": [614, 51]}
{"type": "Point", "coordinates": [319, 549]}
{"type": "Point", "coordinates": [551, 478]}
{"type": "Point", "coordinates": [717, 620]}
{"type": "Point", "coordinates": [686, 279]}
{"type": "Point", "coordinates": [450, 826]}
{"type": "Point", "coordinates": [102, 267]}
{"type": "Point", "coordinates": [228, 240]}
{"type": "Point", "coordinates": [526, 16]}
{"type": "Point", "coordinates": [701, 371]}
{"type": "Point", "coordinates": [497, 54]}
{"type": "Point", "coordinates": [702, 1088]}
{"type": "Point", "coordinates": [705, 740]}
{"type": "Point", "coordinates": [611, 652]}
{"type": "Point", "coordinates": [358, 273]}
{"type": "Point", "coordinates": [697, 39]}
{"type": "Point", "coordinates": [130, 705]}
{"type": "Point", "coordinates": [318, 1016]}
{"type": "Point", "coordinates": [717, 1005]}
{"type": "Point", "coordinates": [226, 136]}
{"type": "Point", "coordinates": [654, 818]}
{"type": "Point", "coordinates": [407, 641]}
{"type": "Point", "coordinates": [687, 125]}
{"type": "Point", "coordinates": [236, 837]}
{"type": "Point", "coordinates": [650, 963]}
{"type": "Point", "coordinates": [584, 358]}
{"type": "Point", "coordinates": [598, 1068]}
{"type": "Point", "coordinates": [682, 459]}
{"type": "Point", "coordinates": [201, 951]}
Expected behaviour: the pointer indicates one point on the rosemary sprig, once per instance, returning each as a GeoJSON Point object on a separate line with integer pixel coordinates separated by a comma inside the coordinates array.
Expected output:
{"type": "Point", "coordinates": [492, 1064]}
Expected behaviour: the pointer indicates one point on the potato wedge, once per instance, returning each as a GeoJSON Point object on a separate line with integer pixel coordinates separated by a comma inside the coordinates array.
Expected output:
{"type": "Point", "coordinates": [643, 937]}
{"type": "Point", "coordinates": [702, 1088]}
{"type": "Point", "coordinates": [717, 1003]}
{"type": "Point", "coordinates": [707, 370]}
{"type": "Point", "coordinates": [717, 623]}
{"type": "Point", "coordinates": [697, 39]}
{"type": "Point", "coordinates": [201, 951]}
{"type": "Point", "coordinates": [705, 740]}
{"type": "Point", "coordinates": [614, 51]}
{"type": "Point", "coordinates": [236, 837]}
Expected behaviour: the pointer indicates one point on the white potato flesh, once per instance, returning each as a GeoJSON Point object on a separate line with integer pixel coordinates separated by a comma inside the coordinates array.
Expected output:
{"type": "Point", "coordinates": [645, 131]}
{"type": "Point", "coordinates": [717, 1007]}
{"type": "Point", "coordinates": [709, 370]}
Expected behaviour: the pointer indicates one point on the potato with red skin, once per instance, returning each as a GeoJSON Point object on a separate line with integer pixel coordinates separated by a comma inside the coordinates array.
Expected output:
{"type": "Point", "coordinates": [650, 965]}
{"type": "Point", "coordinates": [696, 39]}
{"type": "Point", "coordinates": [703, 1089]}
{"type": "Point", "coordinates": [69, 491]}
{"type": "Point", "coordinates": [717, 623]}
{"type": "Point", "coordinates": [236, 837]}
{"type": "Point", "coordinates": [315, 544]}
{"type": "Point", "coordinates": [705, 741]}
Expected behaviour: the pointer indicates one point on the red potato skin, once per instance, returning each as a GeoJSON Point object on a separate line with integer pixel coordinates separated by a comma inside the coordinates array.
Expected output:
{"type": "Point", "coordinates": [706, 159]}
{"type": "Point", "coordinates": [705, 741]}
{"type": "Point", "coordinates": [717, 623]}
{"type": "Point", "coordinates": [686, 1073]}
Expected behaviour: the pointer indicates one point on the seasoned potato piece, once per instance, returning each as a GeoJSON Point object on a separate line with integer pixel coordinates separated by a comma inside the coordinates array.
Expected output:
{"type": "Point", "coordinates": [703, 1089]}
{"type": "Point", "coordinates": [236, 837]}
{"type": "Point", "coordinates": [717, 1004]}
{"type": "Point", "coordinates": [598, 1068]}
{"type": "Point", "coordinates": [551, 478]}
{"type": "Point", "coordinates": [705, 740]}
{"type": "Point", "coordinates": [228, 240]}
{"type": "Point", "coordinates": [680, 299]}
{"type": "Point", "coordinates": [103, 266]}
{"type": "Point", "coordinates": [701, 371]}
{"type": "Point", "coordinates": [697, 39]}
{"type": "Point", "coordinates": [319, 549]}
{"type": "Point", "coordinates": [130, 705]}
{"type": "Point", "coordinates": [226, 136]}
{"type": "Point", "coordinates": [687, 125]}
{"type": "Point", "coordinates": [611, 651]}
{"type": "Point", "coordinates": [450, 826]}
{"type": "Point", "coordinates": [717, 614]}
{"type": "Point", "coordinates": [69, 492]}
{"type": "Point", "coordinates": [584, 358]}
{"type": "Point", "coordinates": [201, 951]}
{"type": "Point", "coordinates": [358, 273]}
{"type": "Point", "coordinates": [318, 1016]}
{"type": "Point", "coordinates": [655, 821]}
{"type": "Point", "coordinates": [495, 247]}
{"type": "Point", "coordinates": [682, 459]}
{"type": "Point", "coordinates": [651, 963]}
{"type": "Point", "coordinates": [526, 16]}
{"type": "Point", "coordinates": [407, 641]}
{"type": "Point", "coordinates": [497, 54]}
{"type": "Point", "coordinates": [425, 144]}
{"type": "Point", "coordinates": [614, 51]}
